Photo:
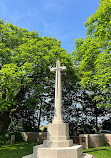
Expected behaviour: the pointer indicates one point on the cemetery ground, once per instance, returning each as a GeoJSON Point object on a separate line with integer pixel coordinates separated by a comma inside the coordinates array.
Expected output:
{"type": "Point", "coordinates": [20, 149]}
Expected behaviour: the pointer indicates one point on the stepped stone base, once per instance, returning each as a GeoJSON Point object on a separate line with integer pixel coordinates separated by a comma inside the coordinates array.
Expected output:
{"type": "Point", "coordinates": [58, 144]}
{"type": "Point", "coordinates": [74, 151]}
{"type": "Point", "coordinates": [63, 152]}
{"type": "Point", "coordinates": [83, 156]}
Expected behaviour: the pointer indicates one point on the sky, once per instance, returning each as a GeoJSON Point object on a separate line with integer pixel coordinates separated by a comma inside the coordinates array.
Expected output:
{"type": "Point", "coordinates": [62, 19]}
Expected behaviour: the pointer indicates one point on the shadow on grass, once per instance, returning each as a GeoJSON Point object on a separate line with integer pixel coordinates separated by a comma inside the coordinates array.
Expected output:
{"type": "Point", "coordinates": [93, 150]}
{"type": "Point", "coordinates": [100, 152]}
{"type": "Point", "coordinates": [17, 150]}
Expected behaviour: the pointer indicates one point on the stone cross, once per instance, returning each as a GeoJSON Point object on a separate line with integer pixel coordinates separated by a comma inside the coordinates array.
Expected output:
{"type": "Point", "coordinates": [58, 92]}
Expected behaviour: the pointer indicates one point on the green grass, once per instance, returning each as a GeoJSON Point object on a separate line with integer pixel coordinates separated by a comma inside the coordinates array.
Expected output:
{"type": "Point", "coordinates": [100, 152]}
{"type": "Point", "coordinates": [16, 150]}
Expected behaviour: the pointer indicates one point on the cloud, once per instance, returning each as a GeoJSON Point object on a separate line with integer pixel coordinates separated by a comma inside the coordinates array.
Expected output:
{"type": "Point", "coordinates": [52, 5]}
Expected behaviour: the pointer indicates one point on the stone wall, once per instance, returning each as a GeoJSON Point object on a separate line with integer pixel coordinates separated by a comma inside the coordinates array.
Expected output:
{"type": "Point", "coordinates": [108, 139]}
{"type": "Point", "coordinates": [94, 140]}
{"type": "Point", "coordinates": [34, 136]}
{"type": "Point", "coordinates": [76, 140]}
{"type": "Point", "coordinates": [86, 140]}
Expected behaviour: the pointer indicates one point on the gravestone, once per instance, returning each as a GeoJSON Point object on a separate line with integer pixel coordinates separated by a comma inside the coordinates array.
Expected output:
{"type": "Point", "coordinates": [58, 144]}
{"type": "Point", "coordinates": [12, 139]}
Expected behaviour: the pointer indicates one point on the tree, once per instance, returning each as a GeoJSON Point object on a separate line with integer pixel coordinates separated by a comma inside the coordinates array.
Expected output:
{"type": "Point", "coordinates": [106, 124]}
{"type": "Point", "coordinates": [23, 121]}
{"type": "Point", "coordinates": [78, 108]}
{"type": "Point", "coordinates": [81, 111]}
{"type": "Point", "coordinates": [92, 56]}
{"type": "Point", "coordinates": [25, 59]}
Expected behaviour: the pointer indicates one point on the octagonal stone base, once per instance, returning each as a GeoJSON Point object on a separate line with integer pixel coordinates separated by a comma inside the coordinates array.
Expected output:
{"type": "Point", "coordinates": [74, 151]}
{"type": "Point", "coordinates": [58, 144]}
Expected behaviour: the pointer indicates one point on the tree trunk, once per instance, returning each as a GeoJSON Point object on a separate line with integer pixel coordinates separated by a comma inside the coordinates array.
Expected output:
{"type": "Point", "coordinates": [96, 123]}
{"type": "Point", "coordinates": [39, 120]}
{"type": "Point", "coordinates": [97, 128]}
{"type": "Point", "coordinates": [5, 121]}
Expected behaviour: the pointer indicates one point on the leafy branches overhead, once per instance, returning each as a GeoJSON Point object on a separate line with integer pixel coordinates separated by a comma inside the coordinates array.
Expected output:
{"type": "Point", "coordinates": [92, 56]}
{"type": "Point", "coordinates": [25, 59]}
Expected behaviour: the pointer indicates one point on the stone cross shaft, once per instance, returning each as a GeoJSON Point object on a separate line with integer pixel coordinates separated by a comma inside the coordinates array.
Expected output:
{"type": "Point", "coordinates": [58, 92]}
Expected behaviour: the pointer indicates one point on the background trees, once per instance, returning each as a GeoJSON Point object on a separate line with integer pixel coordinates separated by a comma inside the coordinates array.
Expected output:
{"type": "Point", "coordinates": [25, 60]}
{"type": "Point", "coordinates": [92, 56]}
{"type": "Point", "coordinates": [26, 81]}
{"type": "Point", "coordinates": [92, 61]}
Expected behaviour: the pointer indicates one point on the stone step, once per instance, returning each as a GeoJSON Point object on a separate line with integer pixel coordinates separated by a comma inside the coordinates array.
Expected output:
{"type": "Point", "coordinates": [74, 151]}
{"type": "Point", "coordinates": [56, 144]}
{"type": "Point", "coordinates": [35, 149]}
{"type": "Point", "coordinates": [87, 156]}
{"type": "Point", "coordinates": [28, 156]}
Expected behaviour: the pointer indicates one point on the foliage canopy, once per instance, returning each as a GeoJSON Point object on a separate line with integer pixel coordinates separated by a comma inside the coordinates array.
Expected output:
{"type": "Point", "coordinates": [92, 56]}
{"type": "Point", "coordinates": [25, 59]}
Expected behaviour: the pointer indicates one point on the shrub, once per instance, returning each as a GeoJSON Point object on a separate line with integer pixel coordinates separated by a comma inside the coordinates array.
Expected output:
{"type": "Point", "coordinates": [4, 138]}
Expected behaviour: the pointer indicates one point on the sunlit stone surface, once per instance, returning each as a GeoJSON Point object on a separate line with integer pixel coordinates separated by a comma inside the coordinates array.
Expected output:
{"type": "Point", "coordinates": [58, 144]}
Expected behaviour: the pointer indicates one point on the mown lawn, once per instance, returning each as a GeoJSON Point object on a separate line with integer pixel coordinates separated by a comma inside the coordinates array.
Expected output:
{"type": "Point", "coordinates": [18, 150]}
{"type": "Point", "coordinates": [100, 152]}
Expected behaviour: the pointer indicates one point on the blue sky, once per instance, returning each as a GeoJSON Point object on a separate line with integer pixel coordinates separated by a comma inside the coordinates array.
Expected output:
{"type": "Point", "coordinates": [62, 19]}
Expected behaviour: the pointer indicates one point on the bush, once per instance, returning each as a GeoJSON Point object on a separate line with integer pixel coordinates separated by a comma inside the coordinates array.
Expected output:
{"type": "Point", "coordinates": [5, 138]}
{"type": "Point", "coordinates": [18, 137]}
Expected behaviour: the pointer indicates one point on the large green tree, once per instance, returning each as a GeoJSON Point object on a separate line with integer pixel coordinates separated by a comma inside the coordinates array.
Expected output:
{"type": "Point", "coordinates": [25, 59]}
{"type": "Point", "coordinates": [92, 56]}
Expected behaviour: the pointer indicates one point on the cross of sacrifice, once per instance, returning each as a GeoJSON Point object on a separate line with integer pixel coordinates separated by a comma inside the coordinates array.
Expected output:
{"type": "Point", "coordinates": [58, 92]}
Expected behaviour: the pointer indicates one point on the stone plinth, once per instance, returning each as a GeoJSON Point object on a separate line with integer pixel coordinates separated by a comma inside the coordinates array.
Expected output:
{"type": "Point", "coordinates": [58, 136]}
{"type": "Point", "coordinates": [74, 151]}
{"type": "Point", "coordinates": [58, 132]}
